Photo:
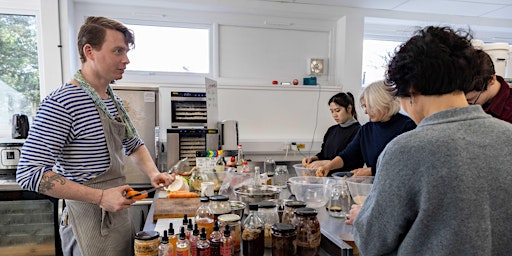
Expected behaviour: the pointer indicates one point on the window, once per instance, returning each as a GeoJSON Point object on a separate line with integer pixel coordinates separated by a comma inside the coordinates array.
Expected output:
{"type": "Point", "coordinates": [19, 69]}
{"type": "Point", "coordinates": [170, 49]}
{"type": "Point", "coordinates": [376, 54]}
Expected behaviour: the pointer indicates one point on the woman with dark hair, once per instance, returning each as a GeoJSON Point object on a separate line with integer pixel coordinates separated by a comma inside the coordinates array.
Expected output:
{"type": "Point", "coordinates": [490, 90]}
{"type": "Point", "coordinates": [443, 188]}
{"type": "Point", "coordinates": [339, 135]}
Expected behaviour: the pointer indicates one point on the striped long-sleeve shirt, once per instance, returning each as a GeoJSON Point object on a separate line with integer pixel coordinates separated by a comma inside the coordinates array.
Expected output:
{"type": "Point", "coordinates": [67, 137]}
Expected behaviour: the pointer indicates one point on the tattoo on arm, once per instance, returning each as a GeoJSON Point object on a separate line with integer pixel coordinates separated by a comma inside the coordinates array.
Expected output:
{"type": "Point", "coordinates": [48, 182]}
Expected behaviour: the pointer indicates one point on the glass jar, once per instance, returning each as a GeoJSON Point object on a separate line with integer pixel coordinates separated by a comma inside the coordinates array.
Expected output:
{"type": "Point", "coordinates": [268, 213]}
{"type": "Point", "coordinates": [283, 239]}
{"type": "Point", "coordinates": [146, 243]}
{"type": "Point", "coordinates": [253, 242]}
{"type": "Point", "coordinates": [308, 231]}
{"type": "Point", "coordinates": [233, 221]}
{"type": "Point", "coordinates": [338, 205]}
{"type": "Point", "coordinates": [281, 176]}
{"type": "Point", "coordinates": [219, 205]}
{"type": "Point", "coordinates": [289, 208]}
{"type": "Point", "coordinates": [204, 216]}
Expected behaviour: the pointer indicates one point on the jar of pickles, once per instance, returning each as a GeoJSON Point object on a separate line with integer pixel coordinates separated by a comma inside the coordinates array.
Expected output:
{"type": "Point", "coordinates": [289, 207]}
{"type": "Point", "coordinates": [219, 205]}
{"type": "Point", "coordinates": [308, 231]}
{"type": "Point", "coordinates": [233, 221]}
{"type": "Point", "coordinates": [146, 243]}
{"type": "Point", "coordinates": [268, 213]}
{"type": "Point", "coordinates": [283, 239]}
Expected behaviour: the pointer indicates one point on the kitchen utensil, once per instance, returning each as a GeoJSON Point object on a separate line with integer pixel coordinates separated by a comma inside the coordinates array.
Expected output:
{"type": "Point", "coordinates": [360, 187]}
{"type": "Point", "coordinates": [142, 194]}
{"type": "Point", "coordinates": [315, 191]}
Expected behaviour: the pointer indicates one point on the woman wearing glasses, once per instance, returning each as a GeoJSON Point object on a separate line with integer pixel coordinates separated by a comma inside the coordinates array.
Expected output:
{"type": "Point", "coordinates": [380, 104]}
{"type": "Point", "coordinates": [443, 188]}
{"type": "Point", "coordinates": [339, 135]}
{"type": "Point", "coordinates": [490, 90]}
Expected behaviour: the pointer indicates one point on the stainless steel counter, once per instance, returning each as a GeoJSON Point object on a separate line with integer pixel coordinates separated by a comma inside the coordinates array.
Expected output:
{"type": "Point", "coordinates": [8, 183]}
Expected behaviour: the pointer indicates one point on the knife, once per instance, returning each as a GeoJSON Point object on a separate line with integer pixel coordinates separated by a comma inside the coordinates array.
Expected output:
{"type": "Point", "coordinates": [145, 192]}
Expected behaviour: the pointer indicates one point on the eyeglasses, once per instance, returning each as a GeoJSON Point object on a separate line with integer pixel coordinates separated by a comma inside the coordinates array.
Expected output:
{"type": "Point", "coordinates": [479, 93]}
{"type": "Point", "coordinates": [363, 106]}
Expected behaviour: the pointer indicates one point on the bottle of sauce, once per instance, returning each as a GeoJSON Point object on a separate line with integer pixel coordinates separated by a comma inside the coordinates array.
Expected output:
{"type": "Point", "coordinates": [183, 245]}
{"type": "Point", "coordinates": [204, 216]}
{"type": "Point", "coordinates": [227, 247]}
{"type": "Point", "coordinates": [253, 242]}
{"type": "Point", "coordinates": [220, 165]}
{"type": "Point", "coordinates": [203, 245]}
{"type": "Point", "coordinates": [215, 238]}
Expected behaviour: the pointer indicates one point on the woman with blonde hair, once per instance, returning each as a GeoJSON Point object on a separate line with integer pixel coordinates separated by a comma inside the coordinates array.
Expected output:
{"type": "Point", "coordinates": [380, 104]}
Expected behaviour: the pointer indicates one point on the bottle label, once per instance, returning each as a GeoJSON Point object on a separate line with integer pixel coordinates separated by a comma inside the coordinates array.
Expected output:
{"type": "Point", "coordinates": [183, 252]}
{"type": "Point", "coordinates": [225, 250]}
{"type": "Point", "coordinates": [204, 252]}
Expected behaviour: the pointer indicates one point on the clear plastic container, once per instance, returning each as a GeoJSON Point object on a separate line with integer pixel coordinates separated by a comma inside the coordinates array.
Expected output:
{"type": "Point", "coordinates": [233, 221]}
{"type": "Point", "coordinates": [267, 211]}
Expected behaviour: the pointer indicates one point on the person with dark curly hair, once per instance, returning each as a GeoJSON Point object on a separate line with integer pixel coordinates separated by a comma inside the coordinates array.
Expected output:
{"type": "Point", "coordinates": [443, 188]}
{"type": "Point", "coordinates": [490, 90]}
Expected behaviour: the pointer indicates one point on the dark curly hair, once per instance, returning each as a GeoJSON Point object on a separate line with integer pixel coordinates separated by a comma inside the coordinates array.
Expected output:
{"type": "Point", "coordinates": [435, 61]}
{"type": "Point", "coordinates": [484, 72]}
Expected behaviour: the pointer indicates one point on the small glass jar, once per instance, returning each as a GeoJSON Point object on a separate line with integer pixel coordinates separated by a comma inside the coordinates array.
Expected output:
{"type": "Point", "coordinates": [233, 221]}
{"type": "Point", "coordinates": [308, 231]}
{"type": "Point", "coordinates": [146, 243]}
{"type": "Point", "coordinates": [281, 176]}
{"type": "Point", "coordinates": [283, 239]}
{"type": "Point", "coordinates": [219, 205]}
{"type": "Point", "coordinates": [289, 208]}
{"type": "Point", "coordinates": [268, 213]}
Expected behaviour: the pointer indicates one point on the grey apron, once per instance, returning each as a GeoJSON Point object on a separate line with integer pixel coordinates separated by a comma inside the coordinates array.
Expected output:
{"type": "Point", "coordinates": [99, 232]}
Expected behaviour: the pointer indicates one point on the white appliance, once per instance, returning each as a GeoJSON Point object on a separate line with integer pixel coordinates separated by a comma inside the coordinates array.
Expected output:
{"type": "Point", "coordinates": [228, 134]}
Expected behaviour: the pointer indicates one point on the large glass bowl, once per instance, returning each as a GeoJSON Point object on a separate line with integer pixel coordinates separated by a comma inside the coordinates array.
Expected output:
{"type": "Point", "coordinates": [360, 187]}
{"type": "Point", "coordinates": [315, 191]}
{"type": "Point", "coordinates": [303, 171]}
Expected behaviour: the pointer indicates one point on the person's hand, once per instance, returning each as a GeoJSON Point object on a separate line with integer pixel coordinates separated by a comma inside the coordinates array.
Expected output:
{"type": "Point", "coordinates": [162, 178]}
{"type": "Point", "coordinates": [306, 161]}
{"type": "Point", "coordinates": [362, 172]}
{"type": "Point", "coordinates": [352, 214]}
{"type": "Point", "coordinates": [317, 164]}
{"type": "Point", "coordinates": [113, 200]}
{"type": "Point", "coordinates": [322, 171]}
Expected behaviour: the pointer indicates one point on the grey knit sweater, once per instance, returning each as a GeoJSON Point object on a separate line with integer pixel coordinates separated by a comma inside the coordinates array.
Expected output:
{"type": "Point", "coordinates": [444, 188]}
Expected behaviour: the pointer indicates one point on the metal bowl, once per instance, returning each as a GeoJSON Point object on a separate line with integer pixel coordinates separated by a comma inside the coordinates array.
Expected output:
{"type": "Point", "coordinates": [255, 194]}
{"type": "Point", "coordinates": [237, 207]}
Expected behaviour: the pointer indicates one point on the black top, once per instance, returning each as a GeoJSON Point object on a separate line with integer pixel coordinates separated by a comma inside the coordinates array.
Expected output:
{"type": "Point", "coordinates": [335, 140]}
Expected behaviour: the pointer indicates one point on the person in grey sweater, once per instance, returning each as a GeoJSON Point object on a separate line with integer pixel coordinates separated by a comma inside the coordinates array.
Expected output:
{"type": "Point", "coordinates": [443, 188]}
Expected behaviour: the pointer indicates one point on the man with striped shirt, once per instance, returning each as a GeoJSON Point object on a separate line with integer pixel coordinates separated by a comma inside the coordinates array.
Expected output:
{"type": "Point", "coordinates": [75, 146]}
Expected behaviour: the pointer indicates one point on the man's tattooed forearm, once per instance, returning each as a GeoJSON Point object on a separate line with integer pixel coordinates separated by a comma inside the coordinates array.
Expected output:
{"type": "Point", "coordinates": [48, 182]}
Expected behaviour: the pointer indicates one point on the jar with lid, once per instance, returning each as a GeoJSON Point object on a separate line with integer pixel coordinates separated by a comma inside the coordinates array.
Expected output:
{"type": "Point", "coordinates": [219, 205]}
{"type": "Point", "coordinates": [289, 208]}
{"type": "Point", "coordinates": [308, 231]}
{"type": "Point", "coordinates": [233, 221]}
{"type": "Point", "coordinates": [204, 216]}
{"type": "Point", "coordinates": [281, 176]}
{"type": "Point", "coordinates": [283, 239]}
{"type": "Point", "coordinates": [252, 233]}
{"type": "Point", "coordinates": [146, 243]}
{"type": "Point", "coordinates": [268, 213]}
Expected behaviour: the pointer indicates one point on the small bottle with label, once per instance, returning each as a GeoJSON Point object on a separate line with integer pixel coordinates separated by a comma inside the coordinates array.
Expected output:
{"type": "Point", "coordinates": [227, 246]}
{"type": "Point", "coordinates": [189, 230]}
{"type": "Point", "coordinates": [194, 238]}
{"type": "Point", "coordinates": [203, 245]}
{"type": "Point", "coordinates": [165, 249]}
{"type": "Point", "coordinates": [240, 159]}
{"type": "Point", "coordinates": [183, 245]}
{"type": "Point", "coordinates": [215, 238]}
{"type": "Point", "coordinates": [220, 165]}
{"type": "Point", "coordinates": [173, 238]}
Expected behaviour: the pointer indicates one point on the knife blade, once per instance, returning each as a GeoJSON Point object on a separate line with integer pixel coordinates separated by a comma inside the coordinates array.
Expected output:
{"type": "Point", "coordinates": [145, 192]}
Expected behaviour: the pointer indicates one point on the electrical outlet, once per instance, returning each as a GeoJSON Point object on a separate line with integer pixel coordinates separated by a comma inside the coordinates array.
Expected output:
{"type": "Point", "coordinates": [287, 146]}
{"type": "Point", "coordinates": [301, 146]}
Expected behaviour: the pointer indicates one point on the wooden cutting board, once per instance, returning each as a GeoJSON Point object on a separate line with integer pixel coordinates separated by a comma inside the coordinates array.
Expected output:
{"type": "Point", "coordinates": [175, 207]}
